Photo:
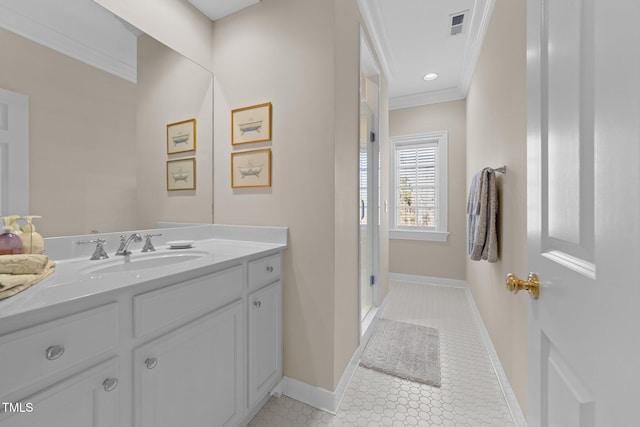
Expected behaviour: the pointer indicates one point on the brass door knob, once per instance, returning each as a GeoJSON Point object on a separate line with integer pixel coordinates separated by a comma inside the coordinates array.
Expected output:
{"type": "Point", "coordinates": [531, 284]}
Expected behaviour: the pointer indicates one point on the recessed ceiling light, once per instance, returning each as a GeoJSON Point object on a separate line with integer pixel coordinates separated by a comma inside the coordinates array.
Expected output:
{"type": "Point", "coordinates": [431, 76]}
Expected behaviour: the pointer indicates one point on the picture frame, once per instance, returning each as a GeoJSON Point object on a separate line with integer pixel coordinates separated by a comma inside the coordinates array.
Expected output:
{"type": "Point", "coordinates": [251, 124]}
{"type": "Point", "coordinates": [251, 169]}
{"type": "Point", "coordinates": [181, 174]}
{"type": "Point", "coordinates": [181, 137]}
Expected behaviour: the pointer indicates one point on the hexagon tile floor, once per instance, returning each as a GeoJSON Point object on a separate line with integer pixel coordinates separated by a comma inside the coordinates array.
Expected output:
{"type": "Point", "coordinates": [470, 394]}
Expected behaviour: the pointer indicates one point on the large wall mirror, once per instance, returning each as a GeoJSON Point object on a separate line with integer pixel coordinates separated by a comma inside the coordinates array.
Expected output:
{"type": "Point", "coordinates": [97, 136]}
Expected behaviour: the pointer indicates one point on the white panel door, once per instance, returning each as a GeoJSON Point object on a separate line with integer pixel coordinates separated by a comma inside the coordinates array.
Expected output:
{"type": "Point", "coordinates": [584, 212]}
{"type": "Point", "coordinates": [14, 153]}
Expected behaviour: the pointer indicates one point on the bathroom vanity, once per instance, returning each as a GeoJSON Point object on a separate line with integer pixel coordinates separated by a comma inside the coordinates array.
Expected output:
{"type": "Point", "coordinates": [176, 337]}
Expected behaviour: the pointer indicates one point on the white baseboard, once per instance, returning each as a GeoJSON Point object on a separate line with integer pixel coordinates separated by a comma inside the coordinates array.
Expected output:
{"type": "Point", "coordinates": [505, 385]}
{"type": "Point", "coordinates": [439, 281]}
{"type": "Point", "coordinates": [507, 391]}
{"type": "Point", "coordinates": [321, 398]}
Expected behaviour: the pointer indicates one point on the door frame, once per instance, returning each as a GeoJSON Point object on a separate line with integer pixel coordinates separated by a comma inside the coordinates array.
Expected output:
{"type": "Point", "coordinates": [373, 209]}
{"type": "Point", "coordinates": [14, 153]}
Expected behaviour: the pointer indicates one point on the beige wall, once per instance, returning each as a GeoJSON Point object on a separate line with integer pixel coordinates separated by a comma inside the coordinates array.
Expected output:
{"type": "Point", "coordinates": [435, 259]}
{"type": "Point", "coordinates": [496, 135]}
{"type": "Point", "coordinates": [82, 171]}
{"type": "Point", "coordinates": [301, 55]}
{"type": "Point", "coordinates": [171, 88]}
{"type": "Point", "coordinates": [346, 81]}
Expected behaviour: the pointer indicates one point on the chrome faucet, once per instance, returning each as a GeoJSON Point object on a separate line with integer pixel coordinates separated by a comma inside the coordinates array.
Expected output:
{"type": "Point", "coordinates": [148, 246]}
{"type": "Point", "coordinates": [99, 252]}
{"type": "Point", "coordinates": [123, 249]}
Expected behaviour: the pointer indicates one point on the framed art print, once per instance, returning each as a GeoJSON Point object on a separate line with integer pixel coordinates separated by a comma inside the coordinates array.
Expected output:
{"type": "Point", "coordinates": [251, 169]}
{"type": "Point", "coordinates": [181, 137]}
{"type": "Point", "coordinates": [181, 174]}
{"type": "Point", "coordinates": [251, 124]}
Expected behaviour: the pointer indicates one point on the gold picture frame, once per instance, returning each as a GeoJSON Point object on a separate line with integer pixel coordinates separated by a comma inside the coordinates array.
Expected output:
{"type": "Point", "coordinates": [251, 124]}
{"type": "Point", "coordinates": [181, 174]}
{"type": "Point", "coordinates": [181, 137]}
{"type": "Point", "coordinates": [251, 169]}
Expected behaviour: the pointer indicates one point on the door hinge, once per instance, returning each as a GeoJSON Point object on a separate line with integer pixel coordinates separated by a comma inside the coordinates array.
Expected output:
{"type": "Point", "coordinates": [372, 280]}
{"type": "Point", "coordinates": [372, 137]}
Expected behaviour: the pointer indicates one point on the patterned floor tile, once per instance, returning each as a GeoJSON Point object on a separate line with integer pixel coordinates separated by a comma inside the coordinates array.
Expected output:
{"type": "Point", "coordinates": [470, 394]}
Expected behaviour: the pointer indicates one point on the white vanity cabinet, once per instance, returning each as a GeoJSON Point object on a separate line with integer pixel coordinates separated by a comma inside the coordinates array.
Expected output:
{"type": "Point", "coordinates": [265, 340]}
{"type": "Point", "coordinates": [61, 358]}
{"type": "Point", "coordinates": [223, 355]}
{"type": "Point", "coordinates": [197, 348]}
{"type": "Point", "coordinates": [89, 398]}
{"type": "Point", "coordinates": [264, 307]}
{"type": "Point", "coordinates": [193, 375]}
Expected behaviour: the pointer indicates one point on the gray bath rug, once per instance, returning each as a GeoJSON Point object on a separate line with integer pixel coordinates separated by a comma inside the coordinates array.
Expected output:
{"type": "Point", "coordinates": [404, 350]}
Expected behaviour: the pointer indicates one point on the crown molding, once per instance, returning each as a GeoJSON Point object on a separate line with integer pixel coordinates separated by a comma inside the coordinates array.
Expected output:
{"type": "Point", "coordinates": [426, 98]}
{"type": "Point", "coordinates": [478, 27]}
{"type": "Point", "coordinates": [484, 9]}
{"type": "Point", "coordinates": [371, 15]}
{"type": "Point", "coordinates": [52, 35]}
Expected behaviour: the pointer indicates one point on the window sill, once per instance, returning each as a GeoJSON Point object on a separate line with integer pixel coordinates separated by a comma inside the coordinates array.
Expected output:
{"type": "Point", "coordinates": [430, 236]}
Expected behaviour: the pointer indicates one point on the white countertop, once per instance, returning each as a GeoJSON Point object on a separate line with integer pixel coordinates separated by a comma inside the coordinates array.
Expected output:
{"type": "Point", "coordinates": [77, 278]}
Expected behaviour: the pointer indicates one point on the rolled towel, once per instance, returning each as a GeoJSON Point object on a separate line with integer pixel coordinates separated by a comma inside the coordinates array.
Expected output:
{"type": "Point", "coordinates": [11, 284]}
{"type": "Point", "coordinates": [23, 264]}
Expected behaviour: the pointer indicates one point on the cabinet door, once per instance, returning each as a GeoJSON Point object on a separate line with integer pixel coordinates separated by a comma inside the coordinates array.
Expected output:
{"type": "Point", "coordinates": [265, 340]}
{"type": "Point", "coordinates": [89, 399]}
{"type": "Point", "coordinates": [193, 375]}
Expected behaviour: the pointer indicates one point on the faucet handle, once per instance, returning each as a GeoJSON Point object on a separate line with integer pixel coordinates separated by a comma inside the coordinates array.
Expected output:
{"type": "Point", "coordinates": [123, 241]}
{"type": "Point", "coordinates": [99, 253]}
{"type": "Point", "coordinates": [148, 246]}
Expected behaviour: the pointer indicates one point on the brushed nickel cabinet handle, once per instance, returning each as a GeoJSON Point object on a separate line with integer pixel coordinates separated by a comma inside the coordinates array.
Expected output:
{"type": "Point", "coordinates": [54, 352]}
{"type": "Point", "coordinates": [151, 362]}
{"type": "Point", "coordinates": [270, 269]}
{"type": "Point", "coordinates": [257, 304]}
{"type": "Point", "coordinates": [110, 384]}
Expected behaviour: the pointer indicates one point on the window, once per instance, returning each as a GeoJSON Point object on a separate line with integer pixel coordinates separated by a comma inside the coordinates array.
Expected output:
{"type": "Point", "coordinates": [419, 187]}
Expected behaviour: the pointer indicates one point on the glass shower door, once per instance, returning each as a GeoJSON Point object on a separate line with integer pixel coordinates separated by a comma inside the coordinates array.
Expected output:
{"type": "Point", "coordinates": [368, 208]}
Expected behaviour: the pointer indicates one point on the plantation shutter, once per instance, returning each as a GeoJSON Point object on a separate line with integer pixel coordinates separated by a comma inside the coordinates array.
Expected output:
{"type": "Point", "coordinates": [416, 189]}
{"type": "Point", "coordinates": [363, 188]}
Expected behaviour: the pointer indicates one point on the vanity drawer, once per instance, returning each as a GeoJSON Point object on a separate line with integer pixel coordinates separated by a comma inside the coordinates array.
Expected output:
{"type": "Point", "coordinates": [264, 271]}
{"type": "Point", "coordinates": [43, 350]}
{"type": "Point", "coordinates": [179, 303]}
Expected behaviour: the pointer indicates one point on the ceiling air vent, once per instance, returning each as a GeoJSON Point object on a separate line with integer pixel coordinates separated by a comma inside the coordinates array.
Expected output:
{"type": "Point", "coordinates": [457, 22]}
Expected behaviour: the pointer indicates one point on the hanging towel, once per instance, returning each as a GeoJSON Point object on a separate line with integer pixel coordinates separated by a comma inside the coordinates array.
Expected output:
{"type": "Point", "coordinates": [490, 250]}
{"type": "Point", "coordinates": [473, 210]}
{"type": "Point", "coordinates": [482, 207]}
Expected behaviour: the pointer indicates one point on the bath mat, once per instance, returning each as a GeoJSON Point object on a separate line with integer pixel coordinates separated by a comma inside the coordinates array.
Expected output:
{"type": "Point", "coordinates": [404, 350]}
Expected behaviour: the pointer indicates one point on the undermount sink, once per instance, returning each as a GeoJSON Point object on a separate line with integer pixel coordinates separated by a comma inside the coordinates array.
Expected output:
{"type": "Point", "coordinates": [143, 262]}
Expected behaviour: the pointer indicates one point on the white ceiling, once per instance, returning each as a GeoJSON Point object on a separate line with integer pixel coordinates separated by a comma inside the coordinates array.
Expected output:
{"type": "Point", "coordinates": [216, 9]}
{"type": "Point", "coordinates": [412, 38]}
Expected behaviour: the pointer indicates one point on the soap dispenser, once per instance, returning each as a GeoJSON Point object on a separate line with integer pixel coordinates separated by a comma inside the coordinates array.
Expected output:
{"type": "Point", "coordinates": [32, 241]}
{"type": "Point", "coordinates": [10, 243]}
{"type": "Point", "coordinates": [12, 221]}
